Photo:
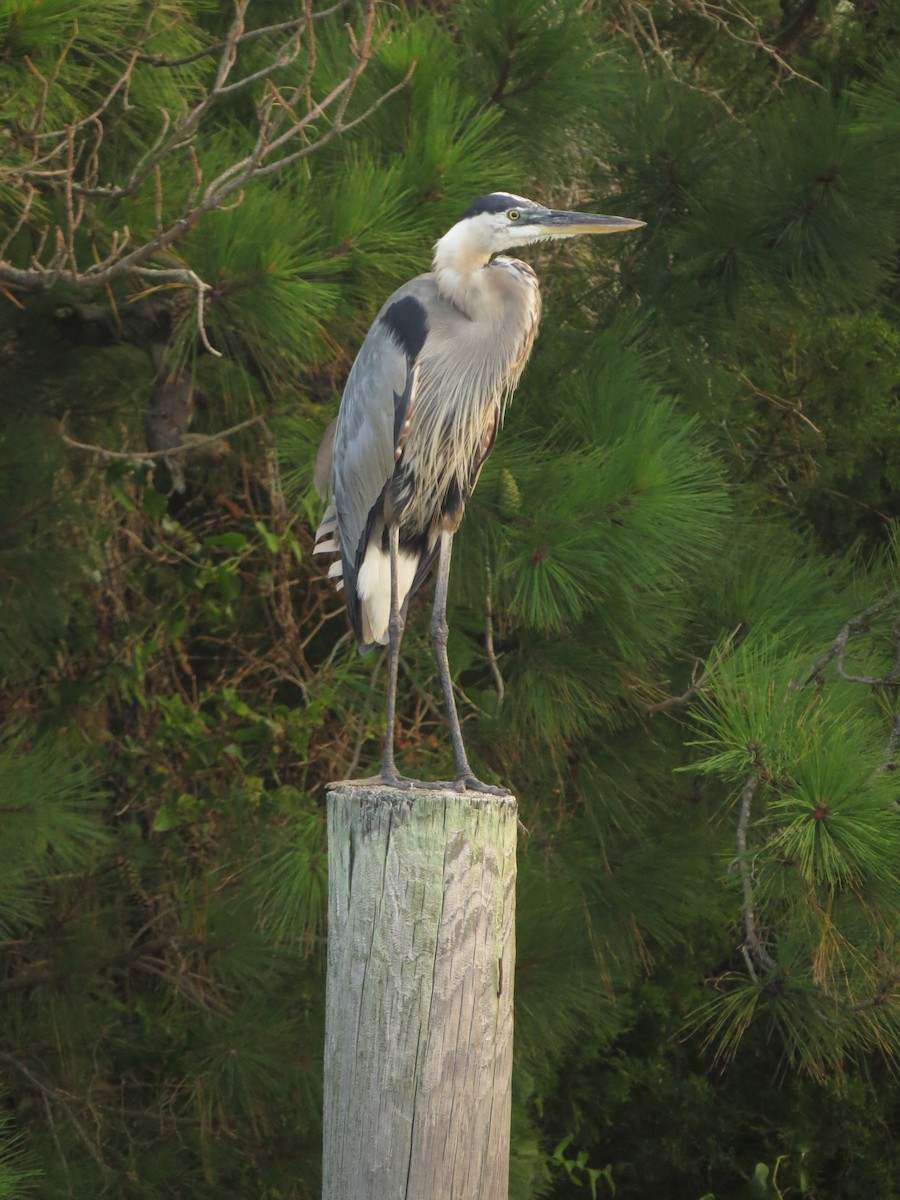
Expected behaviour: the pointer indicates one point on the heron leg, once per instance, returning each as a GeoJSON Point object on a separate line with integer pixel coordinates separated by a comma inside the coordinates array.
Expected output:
{"type": "Point", "coordinates": [389, 773]}
{"type": "Point", "coordinates": [465, 776]}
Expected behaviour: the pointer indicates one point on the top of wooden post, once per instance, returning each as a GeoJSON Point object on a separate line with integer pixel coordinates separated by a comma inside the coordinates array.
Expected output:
{"type": "Point", "coordinates": [382, 793]}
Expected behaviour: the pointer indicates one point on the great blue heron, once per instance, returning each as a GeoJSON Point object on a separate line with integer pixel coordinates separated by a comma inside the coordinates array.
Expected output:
{"type": "Point", "coordinates": [417, 420]}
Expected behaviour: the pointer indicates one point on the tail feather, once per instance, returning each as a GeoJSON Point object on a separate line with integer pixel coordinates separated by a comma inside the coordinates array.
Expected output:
{"type": "Point", "coordinates": [373, 585]}
{"type": "Point", "coordinates": [369, 602]}
{"type": "Point", "coordinates": [327, 543]}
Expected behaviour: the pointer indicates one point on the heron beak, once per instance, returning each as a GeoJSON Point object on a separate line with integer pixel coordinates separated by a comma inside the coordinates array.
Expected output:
{"type": "Point", "coordinates": [556, 224]}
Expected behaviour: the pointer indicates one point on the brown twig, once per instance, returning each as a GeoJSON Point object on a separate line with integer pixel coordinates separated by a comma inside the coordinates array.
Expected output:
{"type": "Point", "coordinates": [784, 405]}
{"type": "Point", "coordinates": [295, 24]}
{"type": "Point", "coordinates": [119, 85]}
{"type": "Point", "coordinates": [726, 17]}
{"type": "Point", "coordinates": [489, 640]}
{"type": "Point", "coordinates": [699, 679]}
{"type": "Point", "coordinates": [72, 164]}
{"type": "Point", "coordinates": [137, 456]}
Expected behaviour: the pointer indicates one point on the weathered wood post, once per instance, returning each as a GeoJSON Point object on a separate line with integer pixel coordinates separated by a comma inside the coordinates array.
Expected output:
{"type": "Point", "coordinates": [419, 1025]}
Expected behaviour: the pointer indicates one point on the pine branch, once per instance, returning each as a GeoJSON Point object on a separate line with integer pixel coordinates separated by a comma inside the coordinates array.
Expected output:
{"type": "Point", "coordinates": [838, 648]}
{"type": "Point", "coordinates": [753, 947]}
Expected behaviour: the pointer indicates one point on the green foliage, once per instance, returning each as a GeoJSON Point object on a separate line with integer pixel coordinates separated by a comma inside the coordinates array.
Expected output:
{"type": "Point", "coordinates": [19, 1176]}
{"type": "Point", "coordinates": [578, 1172]}
{"type": "Point", "coordinates": [36, 565]}
{"type": "Point", "coordinates": [681, 547]}
{"type": "Point", "coordinates": [538, 64]}
{"type": "Point", "coordinates": [50, 826]}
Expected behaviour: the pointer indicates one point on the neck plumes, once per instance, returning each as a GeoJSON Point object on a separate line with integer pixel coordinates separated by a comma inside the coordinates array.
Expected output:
{"type": "Point", "coordinates": [458, 263]}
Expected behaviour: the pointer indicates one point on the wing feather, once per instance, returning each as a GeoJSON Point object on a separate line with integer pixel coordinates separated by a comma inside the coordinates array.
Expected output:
{"type": "Point", "coordinates": [371, 426]}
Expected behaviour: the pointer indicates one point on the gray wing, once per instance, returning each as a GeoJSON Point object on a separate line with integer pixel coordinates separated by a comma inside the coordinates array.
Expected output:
{"type": "Point", "coordinates": [324, 455]}
{"type": "Point", "coordinates": [370, 420]}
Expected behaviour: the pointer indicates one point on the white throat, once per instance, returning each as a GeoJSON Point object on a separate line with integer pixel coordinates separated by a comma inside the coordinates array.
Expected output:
{"type": "Point", "coordinates": [459, 259]}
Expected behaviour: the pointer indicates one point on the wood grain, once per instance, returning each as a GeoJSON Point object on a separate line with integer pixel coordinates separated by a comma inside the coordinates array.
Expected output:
{"type": "Point", "coordinates": [418, 1042]}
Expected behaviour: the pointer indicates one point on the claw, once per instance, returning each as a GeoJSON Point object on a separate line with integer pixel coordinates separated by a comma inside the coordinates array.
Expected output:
{"type": "Point", "coordinates": [393, 779]}
{"type": "Point", "coordinates": [386, 777]}
{"type": "Point", "coordinates": [466, 782]}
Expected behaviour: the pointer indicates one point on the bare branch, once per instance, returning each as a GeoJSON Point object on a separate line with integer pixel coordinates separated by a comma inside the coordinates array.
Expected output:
{"type": "Point", "coordinates": [699, 680]}
{"type": "Point", "coordinates": [882, 996]}
{"type": "Point", "coordinates": [336, 131]}
{"type": "Point", "coordinates": [753, 945]}
{"type": "Point", "coordinates": [893, 741]}
{"type": "Point", "coordinates": [45, 85]}
{"type": "Point", "coordinates": [121, 84]}
{"type": "Point", "coordinates": [292, 124]}
{"type": "Point", "coordinates": [294, 25]}
{"type": "Point", "coordinates": [635, 22]}
{"type": "Point", "coordinates": [160, 275]}
{"type": "Point", "coordinates": [747, 32]}
{"type": "Point", "coordinates": [31, 192]}
{"type": "Point", "coordinates": [280, 124]}
{"type": "Point", "coordinates": [785, 405]}
{"type": "Point", "coordinates": [489, 640]}
{"type": "Point", "coordinates": [65, 1099]}
{"type": "Point", "coordinates": [143, 456]}
{"type": "Point", "coordinates": [838, 647]}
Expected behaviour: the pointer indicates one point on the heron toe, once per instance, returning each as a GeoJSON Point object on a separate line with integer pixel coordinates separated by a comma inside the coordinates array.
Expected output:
{"type": "Point", "coordinates": [467, 782]}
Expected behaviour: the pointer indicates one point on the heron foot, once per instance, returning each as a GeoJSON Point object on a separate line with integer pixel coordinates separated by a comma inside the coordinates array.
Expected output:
{"type": "Point", "coordinates": [391, 777]}
{"type": "Point", "coordinates": [462, 783]}
{"type": "Point", "coordinates": [386, 777]}
{"type": "Point", "coordinates": [467, 782]}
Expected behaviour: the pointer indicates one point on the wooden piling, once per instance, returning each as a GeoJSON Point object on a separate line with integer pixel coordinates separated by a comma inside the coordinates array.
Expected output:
{"type": "Point", "coordinates": [419, 1025]}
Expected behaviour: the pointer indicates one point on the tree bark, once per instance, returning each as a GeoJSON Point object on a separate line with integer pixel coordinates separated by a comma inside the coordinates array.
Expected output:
{"type": "Point", "coordinates": [418, 1036]}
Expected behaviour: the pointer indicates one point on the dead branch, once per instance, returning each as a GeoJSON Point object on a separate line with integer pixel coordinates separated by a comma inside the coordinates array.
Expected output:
{"type": "Point", "coordinates": [742, 25]}
{"type": "Point", "coordinates": [291, 124]}
{"type": "Point", "coordinates": [66, 1100]}
{"type": "Point", "coordinates": [297, 24]}
{"type": "Point", "coordinates": [838, 648]}
{"type": "Point", "coordinates": [489, 640]}
{"type": "Point", "coordinates": [138, 456]}
{"type": "Point", "coordinates": [699, 678]}
{"type": "Point", "coordinates": [784, 405]}
{"type": "Point", "coordinates": [634, 20]}
{"type": "Point", "coordinates": [887, 684]}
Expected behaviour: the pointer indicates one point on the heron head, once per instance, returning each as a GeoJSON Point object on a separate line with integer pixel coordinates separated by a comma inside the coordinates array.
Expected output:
{"type": "Point", "coordinates": [502, 220]}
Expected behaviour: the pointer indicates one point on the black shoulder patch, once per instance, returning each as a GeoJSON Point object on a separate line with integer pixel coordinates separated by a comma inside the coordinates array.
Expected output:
{"type": "Point", "coordinates": [408, 323]}
{"type": "Point", "coordinates": [494, 203]}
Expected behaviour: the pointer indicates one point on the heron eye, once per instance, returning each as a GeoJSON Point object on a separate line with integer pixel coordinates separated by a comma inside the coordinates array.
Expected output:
{"type": "Point", "coordinates": [514, 214]}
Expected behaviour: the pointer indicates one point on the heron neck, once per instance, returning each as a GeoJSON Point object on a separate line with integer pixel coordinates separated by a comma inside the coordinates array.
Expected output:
{"type": "Point", "coordinates": [457, 265]}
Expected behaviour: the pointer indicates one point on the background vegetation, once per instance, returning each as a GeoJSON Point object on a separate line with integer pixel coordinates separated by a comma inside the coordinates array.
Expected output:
{"type": "Point", "coordinates": [676, 622]}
